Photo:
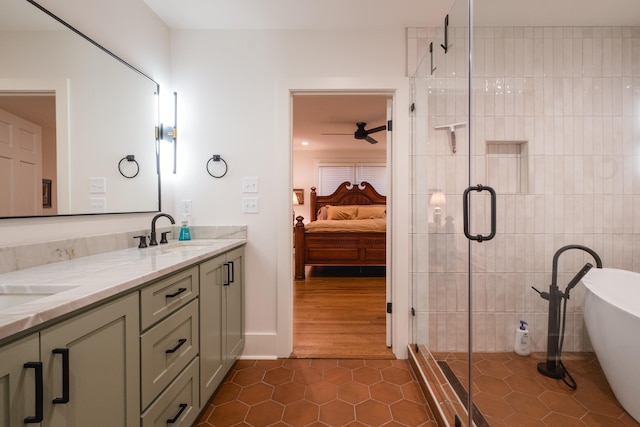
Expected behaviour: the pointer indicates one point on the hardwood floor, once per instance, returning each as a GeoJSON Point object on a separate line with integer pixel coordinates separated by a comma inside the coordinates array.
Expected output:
{"type": "Point", "coordinates": [339, 312]}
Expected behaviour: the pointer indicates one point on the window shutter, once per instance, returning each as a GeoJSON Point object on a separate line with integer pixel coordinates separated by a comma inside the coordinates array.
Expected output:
{"type": "Point", "coordinates": [374, 175]}
{"type": "Point", "coordinates": [329, 177]}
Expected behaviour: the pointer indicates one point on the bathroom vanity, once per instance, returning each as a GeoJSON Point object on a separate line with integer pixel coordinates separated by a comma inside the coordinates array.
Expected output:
{"type": "Point", "coordinates": [136, 337]}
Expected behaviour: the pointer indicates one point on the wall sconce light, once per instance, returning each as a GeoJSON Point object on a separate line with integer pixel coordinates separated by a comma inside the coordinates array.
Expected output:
{"type": "Point", "coordinates": [167, 133]}
{"type": "Point", "coordinates": [437, 199]}
{"type": "Point", "coordinates": [170, 133]}
{"type": "Point", "coordinates": [294, 199]}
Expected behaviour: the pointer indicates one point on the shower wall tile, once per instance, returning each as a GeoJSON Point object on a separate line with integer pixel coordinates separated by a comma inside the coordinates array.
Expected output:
{"type": "Point", "coordinates": [573, 94]}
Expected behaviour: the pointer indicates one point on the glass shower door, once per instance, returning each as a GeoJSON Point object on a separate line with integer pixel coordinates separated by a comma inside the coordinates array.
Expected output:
{"type": "Point", "coordinates": [440, 174]}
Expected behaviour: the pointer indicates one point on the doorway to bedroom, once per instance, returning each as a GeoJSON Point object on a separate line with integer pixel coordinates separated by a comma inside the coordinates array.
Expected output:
{"type": "Point", "coordinates": [340, 309]}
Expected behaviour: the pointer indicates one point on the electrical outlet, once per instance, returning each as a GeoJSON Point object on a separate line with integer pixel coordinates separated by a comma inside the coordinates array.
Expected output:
{"type": "Point", "coordinates": [98, 204]}
{"type": "Point", "coordinates": [250, 184]}
{"type": "Point", "coordinates": [186, 208]}
{"type": "Point", "coordinates": [250, 205]}
{"type": "Point", "coordinates": [97, 185]}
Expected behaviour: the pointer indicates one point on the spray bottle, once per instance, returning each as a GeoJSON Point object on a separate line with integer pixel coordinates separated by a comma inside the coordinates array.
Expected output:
{"type": "Point", "coordinates": [521, 344]}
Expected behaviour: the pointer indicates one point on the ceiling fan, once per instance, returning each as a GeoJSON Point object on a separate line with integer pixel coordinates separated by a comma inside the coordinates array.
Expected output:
{"type": "Point", "coordinates": [362, 133]}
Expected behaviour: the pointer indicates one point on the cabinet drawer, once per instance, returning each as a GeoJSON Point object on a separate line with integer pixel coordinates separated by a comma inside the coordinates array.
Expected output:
{"type": "Point", "coordinates": [166, 349]}
{"type": "Point", "coordinates": [167, 295]}
{"type": "Point", "coordinates": [178, 402]}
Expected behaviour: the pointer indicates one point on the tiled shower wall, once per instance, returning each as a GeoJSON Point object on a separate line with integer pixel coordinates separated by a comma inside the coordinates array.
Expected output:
{"type": "Point", "coordinates": [559, 109]}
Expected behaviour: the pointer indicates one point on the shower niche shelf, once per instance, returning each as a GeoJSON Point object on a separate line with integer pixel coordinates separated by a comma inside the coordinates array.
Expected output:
{"type": "Point", "coordinates": [507, 166]}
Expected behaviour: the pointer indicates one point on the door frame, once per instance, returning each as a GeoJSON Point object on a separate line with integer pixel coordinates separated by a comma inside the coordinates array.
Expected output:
{"type": "Point", "coordinates": [388, 109]}
{"type": "Point", "coordinates": [398, 217]}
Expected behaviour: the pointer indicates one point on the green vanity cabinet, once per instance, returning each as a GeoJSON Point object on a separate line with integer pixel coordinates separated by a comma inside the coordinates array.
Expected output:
{"type": "Point", "coordinates": [90, 371]}
{"type": "Point", "coordinates": [149, 357]}
{"type": "Point", "coordinates": [18, 381]}
{"type": "Point", "coordinates": [221, 318]}
{"type": "Point", "coordinates": [103, 367]}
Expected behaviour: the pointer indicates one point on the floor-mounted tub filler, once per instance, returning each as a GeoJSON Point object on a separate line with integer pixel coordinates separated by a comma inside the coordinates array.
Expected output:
{"type": "Point", "coordinates": [553, 367]}
{"type": "Point", "coordinates": [612, 316]}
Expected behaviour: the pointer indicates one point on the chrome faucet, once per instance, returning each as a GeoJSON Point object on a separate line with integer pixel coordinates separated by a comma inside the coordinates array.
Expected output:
{"type": "Point", "coordinates": [152, 239]}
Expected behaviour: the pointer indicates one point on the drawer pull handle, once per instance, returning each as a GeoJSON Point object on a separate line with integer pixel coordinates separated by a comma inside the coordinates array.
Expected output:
{"type": "Point", "coordinates": [37, 366]}
{"type": "Point", "coordinates": [227, 280]}
{"type": "Point", "coordinates": [183, 406]}
{"type": "Point", "coordinates": [65, 375]}
{"type": "Point", "coordinates": [178, 292]}
{"type": "Point", "coordinates": [233, 272]}
{"type": "Point", "coordinates": [174, 349]}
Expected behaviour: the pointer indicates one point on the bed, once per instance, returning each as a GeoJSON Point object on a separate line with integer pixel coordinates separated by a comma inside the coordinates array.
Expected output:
{"type": "Point", "coordinates": [350, 231]}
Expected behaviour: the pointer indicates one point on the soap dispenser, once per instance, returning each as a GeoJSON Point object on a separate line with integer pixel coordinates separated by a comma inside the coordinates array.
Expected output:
{"type": "Point", "coordinates": [185, 234]}
{"type": "Point", "coordinates": [521, 344]}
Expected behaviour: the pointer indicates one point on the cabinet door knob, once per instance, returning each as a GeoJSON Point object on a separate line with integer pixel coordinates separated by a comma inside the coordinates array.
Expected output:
{"type": "Point", "coordinates": [65, 375]}
{"type": "Point", "coordinates": [37, 366]}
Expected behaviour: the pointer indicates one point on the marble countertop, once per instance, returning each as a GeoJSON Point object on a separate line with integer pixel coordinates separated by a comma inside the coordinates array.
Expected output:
{"type": "Point", "coordinates": [84, 281]}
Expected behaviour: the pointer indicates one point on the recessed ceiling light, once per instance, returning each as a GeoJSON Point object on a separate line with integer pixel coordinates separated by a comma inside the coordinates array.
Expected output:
{"type": "Point", "coordinates": [305, 142]}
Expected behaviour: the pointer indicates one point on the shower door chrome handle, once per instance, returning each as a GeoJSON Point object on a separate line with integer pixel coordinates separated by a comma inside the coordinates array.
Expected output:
{"type": "Point", "coordinates": [465, 211]}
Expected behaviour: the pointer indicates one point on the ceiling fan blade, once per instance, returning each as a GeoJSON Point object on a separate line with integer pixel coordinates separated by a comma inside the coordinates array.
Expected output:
{"type": "Point", "coordinates": [370, 140]}
{"type": "Point", "coordinates": [378, 129]}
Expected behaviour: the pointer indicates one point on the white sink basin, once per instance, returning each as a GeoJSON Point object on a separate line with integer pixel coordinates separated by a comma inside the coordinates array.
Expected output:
{"type": "Point", "coordinates": [14, 295]}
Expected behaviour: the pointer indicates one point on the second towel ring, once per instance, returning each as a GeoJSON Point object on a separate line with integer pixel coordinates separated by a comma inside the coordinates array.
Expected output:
{"type": "Point", "coordinates": [130, 158]}
{"type": "Point", "coordinates": [217, 158]}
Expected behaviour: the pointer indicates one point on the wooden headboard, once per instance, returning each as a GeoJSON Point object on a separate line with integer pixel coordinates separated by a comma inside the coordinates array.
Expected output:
{"type": "Point", "coordinates": [346, 194]}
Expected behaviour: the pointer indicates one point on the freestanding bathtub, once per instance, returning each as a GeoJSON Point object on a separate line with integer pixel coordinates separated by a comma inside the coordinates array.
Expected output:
{"type": "Point", "coordinates": [612, 316]}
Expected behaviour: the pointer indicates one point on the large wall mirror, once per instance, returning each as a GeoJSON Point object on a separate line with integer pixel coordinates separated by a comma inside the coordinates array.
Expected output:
{"type": "Point", "coordinates": [76, 122]}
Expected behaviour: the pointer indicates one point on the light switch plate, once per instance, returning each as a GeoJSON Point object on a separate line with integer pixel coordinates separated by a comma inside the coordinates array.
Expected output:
{"type": "Point", "coordinates": [186, 207]}
{"type": "Point", "coordinates": [250, 184]}
{"type": "Point", "coordinates": [98, 204]}
{"type": "Point", "coordinates": [250, 205]}
{"type": "Point", "coordinates": [97, 185]}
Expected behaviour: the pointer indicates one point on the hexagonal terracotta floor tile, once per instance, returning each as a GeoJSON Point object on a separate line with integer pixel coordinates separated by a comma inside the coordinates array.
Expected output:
{"type": "Point", "coordinates": [337, 375]}
{"type": "Point", "coordinates": [248, 376]}
{"type": "Point", "coordinates": [353, 392]}
{"type": "Point", "coordinates": [367, 375]}
{"type": "Point", "coordinates": [396, 375]}
{"type": "Point", "coordinates": [278, 376]}
{"type": "Point", "coordinates": [321, 393]}
{"type": "Point", "coordinates": [288, 393]}
{"type": "Point", "coordinates": [300, 413]}
{"type": "Point", "coordinates": [307, 375]}
{"type": "Point", "coordinates": [265, 413]}
{"type": "Point", "coordinates": [373, 413]}
{"type": "Point", "coordinates": [409, 413]}
{"type": "Point", "coordinates": [385, 392]}
{"type": "Point", "coordinates": [255, 393]}
{"type": "Point", "coordinates": [228, 413]}
{"type": "Point", "coordinates": [337, 413]}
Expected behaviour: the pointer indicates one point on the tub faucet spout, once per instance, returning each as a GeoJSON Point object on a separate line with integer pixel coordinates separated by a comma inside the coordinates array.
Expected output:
{"type": "Point", "coordinates": [152, 239]}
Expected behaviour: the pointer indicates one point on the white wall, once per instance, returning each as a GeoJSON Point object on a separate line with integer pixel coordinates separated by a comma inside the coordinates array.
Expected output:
{"type": "Point", "coordinates": [133, 32]}
{"type": "Point", "coordinates": [234, 90]}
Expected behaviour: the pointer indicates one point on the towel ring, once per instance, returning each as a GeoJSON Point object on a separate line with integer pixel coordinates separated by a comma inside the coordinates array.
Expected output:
{"type": "Point", "coordinates": [130, 158]}
{"type": "Point", "coordinates": [217, 158]}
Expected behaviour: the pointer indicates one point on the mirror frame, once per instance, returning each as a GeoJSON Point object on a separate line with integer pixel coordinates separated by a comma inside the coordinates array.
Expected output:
{"type": "Point", "coordinates": [157, 142]}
